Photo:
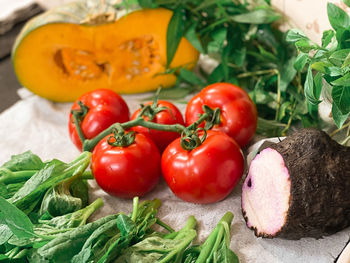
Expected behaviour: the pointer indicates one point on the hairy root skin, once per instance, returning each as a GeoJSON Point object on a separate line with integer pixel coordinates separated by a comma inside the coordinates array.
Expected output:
{"type": "Point", "coordinates": [319, 170]}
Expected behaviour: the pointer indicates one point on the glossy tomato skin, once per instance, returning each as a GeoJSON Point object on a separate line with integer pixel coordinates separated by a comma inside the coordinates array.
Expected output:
{"type": "Point", "coordinates": [105, 108]}
{"type": "Point", "coordinates": [126, 171]}
{"type": "Point", "coordinates": [206, 174]}
{"type": "Point", "coordinates": [238, 112]}
{"type": "Point", "coordinates": [171, 115]}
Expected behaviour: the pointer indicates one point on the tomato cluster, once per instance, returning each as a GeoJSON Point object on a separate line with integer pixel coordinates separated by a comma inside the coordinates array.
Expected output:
{"type": "Point", "coordinates": [205, 174]}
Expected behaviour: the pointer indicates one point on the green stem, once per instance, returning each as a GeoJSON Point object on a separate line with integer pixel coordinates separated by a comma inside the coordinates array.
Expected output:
{"type": "Point", "coordinates": [90, 209]}
{"type": "Point", "coordinates": [89, 144]}
{"type": "Point", "coordinates": [78, 127]}
{"type": "Point", "coordinates": [135, 204]}
{"type": "Point", "coordinates": [278, 100]}
{"type": "Point", "coordinates": [256, 73]}
{"type": "Point", "coordinates": [87, 175]}
{"type": "Point", "coordinates": [340, 129]}
{"type": "Point", "coordinates": [209, 244]}
{"type": "Point", "coordinates": [16, 177]}
{"type": "Point", "coordinates": [165, 226]}
{"type": "Point", "coordinates": [186, 236]}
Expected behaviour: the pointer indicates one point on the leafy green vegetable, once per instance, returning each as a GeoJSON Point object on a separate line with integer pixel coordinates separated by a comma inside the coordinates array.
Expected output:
{"type": "Point", "coordinates": [175, 32]}
{"type": "Point", "coordinates": [328, 67]}
{"type": "Point", "coordinates": [278, 69]}
{"type": "Point", "coordinates": [216, 247]}
{"type": "Point", "coordinates": [168, 248]}
{"type": "Point", "coordinates": [15, 219]}
{"type": "Point", "coordinates": [23, 161]}
{"type": "Point", "coordinates": [59, 200]}
{"type": "Point", "coordinates": [66, 245]}
{"type": "Point", "coordinates": [55, 171]}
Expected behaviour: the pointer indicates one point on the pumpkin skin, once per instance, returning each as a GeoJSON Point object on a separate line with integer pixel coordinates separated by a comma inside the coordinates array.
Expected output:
{"type": "Point", "coordinates": [59, 58]}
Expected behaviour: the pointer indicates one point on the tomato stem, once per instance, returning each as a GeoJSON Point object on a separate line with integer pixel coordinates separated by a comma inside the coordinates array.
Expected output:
{"type": "Point", "coordinates": [78, 116]}
{"type": "Point", "coordinates": [189, 133]}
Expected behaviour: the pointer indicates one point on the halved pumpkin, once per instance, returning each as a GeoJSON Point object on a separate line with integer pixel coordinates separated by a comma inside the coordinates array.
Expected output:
{"type": "Point", "coordinates": [67, 51]}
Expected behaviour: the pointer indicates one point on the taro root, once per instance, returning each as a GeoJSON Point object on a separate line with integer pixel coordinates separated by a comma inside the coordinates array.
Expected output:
{"type": "Point", "coordinates": [299, 187]}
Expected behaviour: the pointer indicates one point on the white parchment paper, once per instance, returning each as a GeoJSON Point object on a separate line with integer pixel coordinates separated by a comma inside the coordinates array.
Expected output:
{"type": "Point", "coordinates": [41, 126]}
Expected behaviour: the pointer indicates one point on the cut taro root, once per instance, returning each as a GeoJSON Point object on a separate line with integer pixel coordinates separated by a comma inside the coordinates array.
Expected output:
{"type": "Point", "coordinates": [298, 187]}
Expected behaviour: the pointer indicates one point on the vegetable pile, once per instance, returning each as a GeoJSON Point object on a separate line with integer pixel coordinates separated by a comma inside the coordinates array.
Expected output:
{"type": "Point", "coordinates": [201, 162]}
{"type": "Point", "coordinates": [52, 227]}
{"type": "Point", "coordinates": [284, 73]}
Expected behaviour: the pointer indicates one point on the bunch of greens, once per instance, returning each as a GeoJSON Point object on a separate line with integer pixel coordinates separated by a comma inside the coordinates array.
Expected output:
{"type": "Point", "coordinates": [113, 238]}
{"type": "Point", "coordinates": [44, 220]}
{"type": "Point", "coordinates": [243, 37]}
{"type": "Point", "coordinates": [327, 66]}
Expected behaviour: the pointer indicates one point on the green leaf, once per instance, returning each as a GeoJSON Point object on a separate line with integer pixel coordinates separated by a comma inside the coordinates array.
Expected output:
{"type": "Point", "coordinates": [5, 233]}
{"type": "Point", "coordinates": [260, 16]}
{"type": "Point", "coordinates": [318, 82]}
{"type": "Point", "coordinates": [343, 81]}
{"type": "Point", "coordinates": [283, 108]}
{"type": "Point", "coordinates": [309, 91]}
{"type": "Point", "coordinates": [190, 77]}
{"type": "Point", "coordinates": [217, 75]}
{"type": "Point", "coordinates": [24, 161]}
{"type": "Point", "coordinates": [18, 222]}
{"type": "Point", "coordinates": [301, 60]}
{"type": "Point", "coordinates": [341, 97]}
{"type": "Point", "coordinates": [338, 18]}
{"type": "Point", "coordinates": [54, 172]}
{"type": "Point", "coordinates": [346, 61]}
{"type": "Point", "coordinates": [239, 55]}
{"type": "Point", "coordinates": [343, 37]}
{"type": "Point", "coordinates": [192, 36]}
{"type": "Point", "coordinates": [327, 37]}
{"type": "Point", "coordinates": [146, 3]}
{"type": "Point", "coordinates": [347, 2]}
{"type": "Point", "coordinates": [175, 31]}
{"type": "Point", "coordinates": [59, 201]}
{"type": "Point", "coordinates": [304, 45]}
{"type": "Point", "coordinates": [295, 35]}
{"type": "Point", "coordinates": [321, 66]}
{"type": "Point", "coordinates": [288, 73]}
{"type": "Point", "coordinates": [219, 37]}
{"type": "Point", "coordinates": [338, 117]}
{"type": "Point", "coordinates": [338, 57]}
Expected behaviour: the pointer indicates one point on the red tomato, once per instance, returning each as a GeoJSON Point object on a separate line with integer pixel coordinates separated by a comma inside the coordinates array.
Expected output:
{"type": "Point", "coordinates": [238, 112]}
{"type": "Point", "coordinates": [206, 174]}
{"type": "Point", "coordinates": [171, 115]}
{"type": "Point", "coordinates": [126, 171]}
{"type": "Point", "coordinates": [105, 108]}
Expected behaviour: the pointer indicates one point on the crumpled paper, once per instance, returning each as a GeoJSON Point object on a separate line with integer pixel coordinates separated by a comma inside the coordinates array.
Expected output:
{"type": "Point", "coordinates": [36, 124]}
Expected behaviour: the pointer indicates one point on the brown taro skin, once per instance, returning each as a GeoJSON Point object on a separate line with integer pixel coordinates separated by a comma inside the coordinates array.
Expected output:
{"type": "Point", "coordinates": [319, 170]}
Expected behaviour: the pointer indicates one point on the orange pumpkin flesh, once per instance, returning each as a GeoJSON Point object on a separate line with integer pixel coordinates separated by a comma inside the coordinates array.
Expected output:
{"type": "Point", "coordinates": [61, 61]}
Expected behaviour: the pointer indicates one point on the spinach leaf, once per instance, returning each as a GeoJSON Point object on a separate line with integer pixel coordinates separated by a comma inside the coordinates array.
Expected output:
{"type": "Point", "coordinates": [168, 248]}
{"type": "Point", "coordinates": [59, 200]}
{"type": "Point", "coordinates": [17, 221]}
{"type": "Point", "coordinates": [24, 161]}
{"type": "Point", "coordinates": [66, 245]}
{"type": "Point", "coordinates": [53, 172]}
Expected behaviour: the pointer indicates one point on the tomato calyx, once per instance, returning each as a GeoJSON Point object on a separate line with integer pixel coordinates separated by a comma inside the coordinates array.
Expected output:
{"type": "Point", "coordinates": [214, 117]}
{"type": "Point", "coordinates": [193, 136]}
{"type": "Point", "coordinates": [191, 139]}
{"type": "Point", "coordinates": [81, 112]}
{"type": "Point", "coordinates": [120, 138]}
{"type": "Point", "coordinates": [150, 111]}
